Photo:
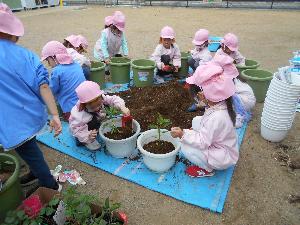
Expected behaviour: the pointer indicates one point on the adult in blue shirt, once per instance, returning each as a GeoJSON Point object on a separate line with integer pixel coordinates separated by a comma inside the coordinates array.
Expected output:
{"type": "Point", "coordinates": [66, 75]}
{"type": "Point", "coordinates": [24, 93]}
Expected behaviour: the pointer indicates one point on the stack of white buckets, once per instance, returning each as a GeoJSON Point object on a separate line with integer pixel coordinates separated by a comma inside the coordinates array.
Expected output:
{"type": "Point", "coordinates": [279, 109]}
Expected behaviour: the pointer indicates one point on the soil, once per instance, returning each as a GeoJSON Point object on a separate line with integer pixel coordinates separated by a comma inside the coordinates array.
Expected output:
{"type": "Point", "coordinates": [6, 171]}
{"type": "Point", "coordinates": [123, 133]}
{"type": "Point", "coordinates": [171, 100]}
{"type": "Point", "coordinates": [260, 186]}
{"type": "Point", "coordinates": [159, 147]}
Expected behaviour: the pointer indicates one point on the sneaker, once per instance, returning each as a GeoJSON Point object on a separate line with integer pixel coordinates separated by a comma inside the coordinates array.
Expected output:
{"type": "Point", "coordinates": [196, 171]}
{"type": "Point", "coordinates": [28, 179]}
{"type": "Point", "coordinates": [58, 187]}
{"type": "Point", "coordinates": [95, 145]}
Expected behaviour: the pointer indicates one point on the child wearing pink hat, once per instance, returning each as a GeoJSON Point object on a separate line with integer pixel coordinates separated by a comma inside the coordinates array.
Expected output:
{"type": "Point", "coordinates": [87, 114]}
{"type": "Point", "coordinates": [211, 144]}
{"type": "Point", "coordinates": [200, 54]}
{"type": "Point", "coordinates": [24, 94]}
{"type": "Point", "coordinates": [112, 42]}
{"type": "Point", "coordinates": [166, 55]}
{"type": "Point", "coordinates": [65, 77]}
{"type": "Point", "coordinates": [76, 45]}
{"type": "Point", "coordinates": [230, 46]}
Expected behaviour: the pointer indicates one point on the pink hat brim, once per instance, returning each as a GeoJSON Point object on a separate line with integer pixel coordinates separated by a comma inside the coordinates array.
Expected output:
{"type": "Point", "coordinates": [230, 47]}
{"type": "Point", "coordinates": [171, 37]}
{"type": "Point", "coordinates": [10, 24]}
{"type": "Point", "coordinates": [198, 42]}
{"type": "Point", "coordinates": [120, 28]}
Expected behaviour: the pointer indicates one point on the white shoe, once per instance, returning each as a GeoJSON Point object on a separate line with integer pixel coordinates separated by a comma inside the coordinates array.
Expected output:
{"type": "Point", "coordinates": [95, 145]}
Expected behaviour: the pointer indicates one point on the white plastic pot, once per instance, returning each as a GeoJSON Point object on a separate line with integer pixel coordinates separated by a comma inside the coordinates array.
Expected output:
{"type": "Point", "coordinates": [271, 134]}
{"type": "Point", "coordinates": [295, 77]}
{"type": "Point", "coordinates": [285, 85]}
{"type": "Point", "coordinates": [158, 162]}
{"type": "Point", "coordinates": [119, 148]}
{"type": "Point", "coordinates": [278, 118]}
{"type": "Point", "coordinates": [276, 126]}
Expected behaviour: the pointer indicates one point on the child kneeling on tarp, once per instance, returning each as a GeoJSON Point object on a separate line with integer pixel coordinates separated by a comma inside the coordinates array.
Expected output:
{"type": "Point", "coordinates": [211, 144]}
{"type": "Point", "coordinates": [87, 114]}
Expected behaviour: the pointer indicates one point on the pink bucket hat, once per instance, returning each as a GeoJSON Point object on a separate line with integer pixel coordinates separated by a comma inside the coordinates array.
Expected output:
{"type": "Point", "coordinates": [9, 23]}
{"type": "Point", "coordinates": [167, 32]}
{"type": "Point", "coordinates": [231, 41]}
{"type": "Point", "coordinates": [88, 91]}
{"type": "Point", "coordinates": [108, 20]}
{"type": "Point", "coordinates": [82, 41]}
{"type": "Point", "coordinates": [226, 62]}
{"type": "Point", "coordinates": [119, 20]}
{"type": "Point", "coordinates": [57, 49]}
{"type": "Point", "coordinates": [215, 78]}
{"type": "Point", "coordinates": [73, 40]}
{"type": "Point", "coordinates": [201, 36]}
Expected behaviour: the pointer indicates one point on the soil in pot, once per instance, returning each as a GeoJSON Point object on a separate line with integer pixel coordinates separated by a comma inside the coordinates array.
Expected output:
{"type": "Point", "coordinates": [159, 147]}
{"type": "Point", "coordinates": [171, 100]}
{"type": "Point", "coordinates": [120, 134]}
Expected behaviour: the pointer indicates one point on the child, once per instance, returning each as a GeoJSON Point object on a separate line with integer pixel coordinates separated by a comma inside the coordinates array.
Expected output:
{"type": "Point", "coordinates": [76, 45]}
{"type": "Point", "coordinates": [229, 46]}
{"type": "Point", "coordinates": [65, 77]}
{"type": "Point", "coordinates": [87, 114]}
{"type": "Point", "coordinates": [167, 54]}
{"type": "Point", "coordinates": [112, 42]}
{"type": "Point", "coordinates": [23, 96]}
{"type": "Point", "coordinates": [200, 54]}
{"type": "Point", "coordinates": [211, 144]}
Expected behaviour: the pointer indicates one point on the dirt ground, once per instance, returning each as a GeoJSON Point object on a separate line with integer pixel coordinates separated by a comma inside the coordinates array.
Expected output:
{"type": "Point", "coordinates": [260, 185]}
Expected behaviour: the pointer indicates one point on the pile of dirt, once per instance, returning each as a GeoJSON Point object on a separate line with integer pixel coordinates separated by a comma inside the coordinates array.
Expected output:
{"type": "Point", "coordinates": [159, 147]}
{"type": "Point", "coordinates": [171, 100]}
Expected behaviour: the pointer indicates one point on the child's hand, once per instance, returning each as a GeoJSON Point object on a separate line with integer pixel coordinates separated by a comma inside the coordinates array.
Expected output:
{"type": "Point", "coordinates": [107, 61]}
{"type": "Point", "coordinates": [56, 125]}
{"type": "Point", "coordinates": [176, 69]}
{"type": "Point", "coordinates": [176, 132]}
{"type": "Point", "coordinates": [125, 111]}
{"type": "Point", "coordinates": [93, 134]}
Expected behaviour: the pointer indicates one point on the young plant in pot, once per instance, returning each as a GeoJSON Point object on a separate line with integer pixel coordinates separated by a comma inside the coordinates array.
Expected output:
{"type": "Point", "coordinates": [119, 134]}
{"type": "Point", "coordinates": [157, 146]}
{"type": "Point", "coordinates": [82, 209]}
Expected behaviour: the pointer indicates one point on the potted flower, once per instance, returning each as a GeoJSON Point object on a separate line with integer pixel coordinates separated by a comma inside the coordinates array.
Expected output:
{"type": "Point", "coordinates": [119, 137]}
{"type": "Point", "coordinates": [158, 147]}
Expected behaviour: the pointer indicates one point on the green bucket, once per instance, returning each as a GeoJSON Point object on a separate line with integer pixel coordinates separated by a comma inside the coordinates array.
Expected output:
{"type": "Point", "coordinates": [11, 193]}
{"type": "Point", "coordinates": [184, 69]}
{"type": "Point", "coordinates": [249, 64]}
{"type": "Point", "coordinates": [98, 73]}
{"type": "Point", "coordinates": [259, 80]}
{"type": "Point", "coordinates": [120, 70]}
{"type": "Point", "coordinates": [143, 72]}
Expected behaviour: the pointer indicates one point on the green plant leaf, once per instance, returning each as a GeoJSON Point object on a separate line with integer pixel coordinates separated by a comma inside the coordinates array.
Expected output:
{"type": "Point", "coordinates": [115, 206]}
{"type": "Point", "coordinates": [20, 214]}
{"type": "Point", "coordinates": [106, 204]}
{"type": "Point", "coordinates": [54, 202]}
{"type": "Point", "coordinates": [9, 220]}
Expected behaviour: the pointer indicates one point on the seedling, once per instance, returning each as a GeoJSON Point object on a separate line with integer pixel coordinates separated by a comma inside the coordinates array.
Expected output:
{"type": "Point", "coordinates": [161, 123]}
{"type": "Point", "coordinates": [111, 113]}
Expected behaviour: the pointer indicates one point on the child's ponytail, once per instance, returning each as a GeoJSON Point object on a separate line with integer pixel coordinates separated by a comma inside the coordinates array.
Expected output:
{"type": "Point", "coordinates": [230, 109]}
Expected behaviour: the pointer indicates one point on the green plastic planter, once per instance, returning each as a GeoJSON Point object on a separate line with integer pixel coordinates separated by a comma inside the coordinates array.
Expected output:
{"type": "Point", "coordinates": [11, 193]}
{"type": "Point", "coordinates": [249, 64]}
{"type": "Point", "coordinates": [120, 70]}
{"type": "Point", "coordinates": [143, 72]}
{"type": "Point", "coordinates": [184, 69]}
{"type": "Point", "coordinates": [259, 80]}
{"type": "Point", "coordinates": [98, 73]}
